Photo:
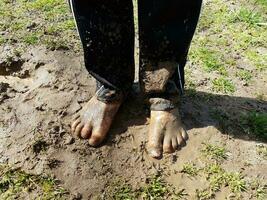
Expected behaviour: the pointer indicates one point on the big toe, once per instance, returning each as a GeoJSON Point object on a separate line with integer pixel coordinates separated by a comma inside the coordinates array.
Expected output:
{"type": "Point", "coordinates": [97, 137]}
{"type": "Point", "coordinates": [155, 150]}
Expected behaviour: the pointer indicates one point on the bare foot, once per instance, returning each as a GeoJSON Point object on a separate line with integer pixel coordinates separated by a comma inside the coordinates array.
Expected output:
{"type": "Point", "coordinates": [94, 120]}
{"type": "Point", "coordinates": [166, 133]}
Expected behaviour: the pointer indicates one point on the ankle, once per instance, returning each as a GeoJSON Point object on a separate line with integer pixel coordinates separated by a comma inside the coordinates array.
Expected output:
{"type": "Point", "coordinates": [108, 95]}
{"type": "Point", "coordinates": [163, 104]}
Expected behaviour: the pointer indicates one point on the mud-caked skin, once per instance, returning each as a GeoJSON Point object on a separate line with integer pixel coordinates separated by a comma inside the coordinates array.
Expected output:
{"type": "Point", "coordinates": [166, 133]}
{"type": "Point", "coordinates": [94, 120]}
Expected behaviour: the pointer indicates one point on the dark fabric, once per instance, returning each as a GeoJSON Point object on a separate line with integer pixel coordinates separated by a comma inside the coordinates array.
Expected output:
{"type": "Point", "coordinates": [106, 30]}
{"type": "Point", "coordinates": [166, 28]}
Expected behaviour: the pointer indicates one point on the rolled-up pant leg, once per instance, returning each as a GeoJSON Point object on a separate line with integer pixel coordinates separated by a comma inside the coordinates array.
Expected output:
{"type": "Point", "coordinates": [106, 31]}
{"type": "Point", "coordinates": [166, 30]}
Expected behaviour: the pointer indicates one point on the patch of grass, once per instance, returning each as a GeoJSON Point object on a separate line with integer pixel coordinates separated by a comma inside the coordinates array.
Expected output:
{"type": "Point", "coordinates": [218, 177]}
{"type": "Point", "coordinates": [213, 168]}
{"type": "Point", "coordinates": [124, 192]}
{"type": "Point", "coordinates": [204, 194]}
{"type": "Point", "coordinates": [244, 75]}
{"type": "Point", "coordinates": [257, 58]}
{"type": "Point", "coordinates": [216, 181]}
{"type": "Point", "coordinates": [214, 152]}
{"type": "Point", "coordinates": [255, 123]}
{"type": "Point", "coordinates": [155, 189]}
{"type": "Point", "coordinates": [262, 2]}
{"type": "Point", "coordinates": [223, 85]}
{"type": "Point", "coordinates": [250, 17]}
{"type": "Point", "coordinates": [34, 22]}
{"type": "Point", "coordinates": [190, 169]}
{"type": "Point", "coordinates": [262, 151]}
{"type": "Point", "coordinates": [208, 58]}
{"type": "Point", "coordinates": [261, 192]}
{"type": "Point", "coordinates": [31, 38]}
{"type": "Point", "coordinates": [15, 183]}
{"type": "Point", "coordinates": [215, 176]}
{"type": "Point", "coordinates": [236, 182]}
{"type": "Point", "coordinates": [259, 189]}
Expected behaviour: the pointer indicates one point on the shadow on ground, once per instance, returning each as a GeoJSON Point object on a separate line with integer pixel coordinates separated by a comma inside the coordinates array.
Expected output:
{"type": "Point", "coordinates": [238, 117]}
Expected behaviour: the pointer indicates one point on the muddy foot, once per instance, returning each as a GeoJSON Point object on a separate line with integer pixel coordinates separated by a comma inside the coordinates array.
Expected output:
{"type": "Point", "coordinates": [166, 133]}
{"type": "Point", "coordinates": [94, 121]}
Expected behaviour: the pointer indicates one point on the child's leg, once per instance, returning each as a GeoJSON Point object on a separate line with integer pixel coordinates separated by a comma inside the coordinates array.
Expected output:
{"type": "Point", "coordinates": [106, 31]}
{"type": "Point", "coordinates": [166, 30]}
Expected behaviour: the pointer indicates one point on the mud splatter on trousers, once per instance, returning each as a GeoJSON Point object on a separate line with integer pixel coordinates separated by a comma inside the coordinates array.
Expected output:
{"type": "Point", "coordinates": [166, 28]}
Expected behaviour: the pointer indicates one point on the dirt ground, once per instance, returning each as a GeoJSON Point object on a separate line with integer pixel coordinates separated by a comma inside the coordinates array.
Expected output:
{"type": "Point", "coordinates": [41, 89]}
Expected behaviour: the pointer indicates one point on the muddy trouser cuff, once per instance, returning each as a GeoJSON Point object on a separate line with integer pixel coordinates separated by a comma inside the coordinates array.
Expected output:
{"type": "Point", "coordinates": [165, 101]}
{"type": "Point", "coordinates": [161, 104]}
{"type": "Point", "coordinates": [107, 94]}
{"type": "Point", "coordinates": [162, 86]}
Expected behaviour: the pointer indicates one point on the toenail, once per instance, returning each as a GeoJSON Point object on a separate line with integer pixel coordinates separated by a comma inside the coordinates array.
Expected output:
{"type": "Point", "coordinates": [154, 153]}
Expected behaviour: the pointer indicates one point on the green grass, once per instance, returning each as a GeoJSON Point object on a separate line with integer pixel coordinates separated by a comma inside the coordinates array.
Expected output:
{"type": "Point", "coordinates": [208, 58]}
{"type": "Point", "coordinates": [262, 151]}
{"type": "Point", "coordinates": [190, 169]}
{"type": "Point", "coordinates": [155, 188]}
{"type": "Point", "coordinates": [204, 194]}
{"type": "Point", "coordinates": [259, 189]}
{"type": "Point", "coordinates": [38, 22]}
{"type": "Point", "coordinates": [124, 192]}
{"type": "Point", "coordinates": [223, 85]}
{"type": "Point", "coordinates": [230, 34]}
{"type": "Point", "coordinates": [214, 152]}
{"type": "Point", "coordinates": [255, 123]}
{"type": "Point", "coordinates": [244, 75]}
{"type": "Point", "coordinates": [259, 60]}
{"type": "Point", "coordinates": [262, 3]}
{"type": "Point", "coordinates": [236, 182]}
{"type": "Point", "coordinates": [217, 178]}
{"type": "Point", "coordinates": [213, 168]}
{"type": "Point", "coordinates": [15, 183]}
{"type": "Point", "coordinates": [248, 16]}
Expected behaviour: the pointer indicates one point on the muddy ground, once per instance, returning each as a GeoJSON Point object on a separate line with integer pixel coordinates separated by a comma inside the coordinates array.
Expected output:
{"type": "Point", "coordinates": [41, 89]}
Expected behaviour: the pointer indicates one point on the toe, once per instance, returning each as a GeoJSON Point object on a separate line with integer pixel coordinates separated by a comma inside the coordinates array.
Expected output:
{"type": "Point", "coordinates": [155, 151]}
{"type": "Point", "coordinates": [86, 131]}
{"type": "Point", "coordinates": [97, 137]}
{"type": "Point", "coordinates": [75, 116]}
{"type": "Point", "coordinates": [184, 134]}
{"type": "Point", "coordinates": [174, 143]}
{"type": "Point", "coordinates": [78, 129]}
{"type": "Point", "coordinates": [74, 125]}
{"type": "Point", "coordinates": [167, 145]}
{"type": "Point", "coordinates": [180, 139]}
{"type": "Point", "coordinates": [155, 142]}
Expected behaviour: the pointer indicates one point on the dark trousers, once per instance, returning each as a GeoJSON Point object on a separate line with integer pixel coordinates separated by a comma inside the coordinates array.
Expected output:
{"type": "Point", "coordinates": [166, 28]}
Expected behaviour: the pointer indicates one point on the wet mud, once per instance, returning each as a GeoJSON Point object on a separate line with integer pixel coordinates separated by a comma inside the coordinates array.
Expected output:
{"type": "Point", "coordinates": [41, 92]}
